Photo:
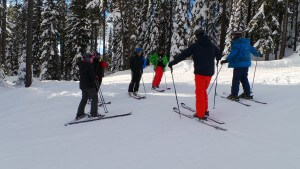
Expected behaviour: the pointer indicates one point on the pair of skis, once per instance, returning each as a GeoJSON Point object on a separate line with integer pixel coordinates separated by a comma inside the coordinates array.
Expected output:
{"type": "Point", "coordinates": [209, 121]}
{"type": "Point", "coordinates": [242, 103]}
{"type": "Point", "coordinates": [89, 119]}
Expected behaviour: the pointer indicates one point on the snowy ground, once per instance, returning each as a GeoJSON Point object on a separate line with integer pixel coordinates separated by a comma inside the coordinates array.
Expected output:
{"type": "Point", "coordinates": [33, 135]}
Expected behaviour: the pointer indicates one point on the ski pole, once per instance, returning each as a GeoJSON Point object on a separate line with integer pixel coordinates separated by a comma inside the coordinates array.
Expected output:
{"type": "Point", "coordinates": [143, 84]}
{"type": "Point", "coordinates": [216, 88]}
{"type": "Point", "coordinates": [254, 74]}
{"type": "Point", "coordinates": [101, 97]}
{"type": "Point", "coordinates": [215, 78]}
{"type": "Point", "coordinates": [103, 101]}
{"type": "Point", "coordinates": [175, 92]}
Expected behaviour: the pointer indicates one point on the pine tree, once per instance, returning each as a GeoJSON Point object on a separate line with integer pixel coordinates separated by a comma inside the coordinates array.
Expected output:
{"type": "Point", "coordinates": [237, 21]}
{"type": "Point", "coordinates": [62, 22]}
{"type": "Point", "coordinates": [15, 38]}
{"type": "Point", "coordinates": [77, 36]}
{"type": "Point", "coordinates": [213, 25]}
{"type": "Point", "coordinates": [152, 35]}
{"type": "Point", "coordinates": [264, 27]}
{"type": "Point", "coordinates": [22, 44]}
{"type": "Point", "coordinates": [4, 32]}
{"type": "Point", "coordinates": [117, 46]}
{"type": "Point", "coordinates": [179, 28]}
{"type": "Point", "coordinates": [198, 15]}
{"type": "Point", "coordinates": [50, 67]}
{"type": "Point", "coordinates": [142, 25]}
{"type": "Point", "coordinates": [10, 58]}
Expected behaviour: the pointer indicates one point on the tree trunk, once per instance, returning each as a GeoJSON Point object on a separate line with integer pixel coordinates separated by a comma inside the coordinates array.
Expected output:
{"type": "Point", "coordinates": [284, 33]}
{"type": "Point", "coordinates": [249, 14]}
{"type": "Point", "coordinates": [296, 26]}
{"type": "Point", "coordinates": [28, 80]}
{"type": "Point", "coordinates": [267, 56]}
{"type": "Point", "coordinates": [104, 26]}
{"type": "Point", "coordinates": [3, 41]}
{"type": "Point", "coordinates": [223, 27]}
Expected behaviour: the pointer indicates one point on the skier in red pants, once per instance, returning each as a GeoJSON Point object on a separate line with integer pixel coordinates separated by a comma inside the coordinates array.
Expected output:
{"type": "Point", "coordinates": [159, 61]}
{"type": "Point", "coordinates": [204, 54]}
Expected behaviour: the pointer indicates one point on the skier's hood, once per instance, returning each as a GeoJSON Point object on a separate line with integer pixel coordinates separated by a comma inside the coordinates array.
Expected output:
{"type": "Point", "coordinates": [245, 41]}
{"type": "Point", "coordinates": [203, 39]}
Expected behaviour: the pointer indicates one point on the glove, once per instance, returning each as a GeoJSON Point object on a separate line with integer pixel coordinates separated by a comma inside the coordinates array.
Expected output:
{"type": "Point", "coordinates": [104, 64]}
{"type": "Point", "coordinates": [223, 61]}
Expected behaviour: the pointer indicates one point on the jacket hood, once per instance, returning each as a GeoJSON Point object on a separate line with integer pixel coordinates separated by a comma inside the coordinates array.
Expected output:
{"type": "Point", "coordinates": [242, 40]}
{"type": "Point", "coordinates": [203, 39]}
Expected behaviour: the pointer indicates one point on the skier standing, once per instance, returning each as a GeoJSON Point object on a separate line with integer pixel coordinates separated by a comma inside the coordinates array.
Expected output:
{"type": "Point", "coordinates": [87, 86]}
{"type": "Point", "coordinates": [137, 64]}
{"type": "Point", "coordinates": [240, 60]}
{"type": "Point", "coordinates": [159, 61]}
{"type": "Point", "coordinates": [204, 52]}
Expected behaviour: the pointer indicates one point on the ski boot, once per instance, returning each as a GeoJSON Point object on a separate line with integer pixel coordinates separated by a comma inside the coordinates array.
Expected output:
{"type": "Point", "coordinates": [233, 97]}
{"type": "Point", "coordinates": [246, 96]}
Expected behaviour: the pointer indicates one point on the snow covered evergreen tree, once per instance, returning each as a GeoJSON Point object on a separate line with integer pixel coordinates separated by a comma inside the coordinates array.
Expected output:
{"type": "Point", "coordinates": [198, 15]}
{"type": "Point", "coordinates": [77, 36]}
{"type": "Point", "coordinates": [15, 38]}
{"type": "Point", "coordinates": [50, 68]}
{"type": "Point", "coordinates": [265, 28]}
{"type": "Point", "coordinates": [62, 22]}
{"type": "Point", "coordinates": [117, 60]}
{"type": "Point", "coordinates": [213, 24]}
{"type": "Point", "coordinates": [10, 58]}
{"type": "Point", "coordinates": [179, 28]}
{"type": "Point", "coordinates": [142, 24]}
{"type": "Point", "coordinates": [23, 43]}
{"type": "Point", "coordinates": [152, 41]}
{"type": "Point", "coordinates": [237, 21]}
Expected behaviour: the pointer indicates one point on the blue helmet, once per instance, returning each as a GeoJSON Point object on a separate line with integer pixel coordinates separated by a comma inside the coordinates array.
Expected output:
{"type": "Point", "coordinates": [138, 49]}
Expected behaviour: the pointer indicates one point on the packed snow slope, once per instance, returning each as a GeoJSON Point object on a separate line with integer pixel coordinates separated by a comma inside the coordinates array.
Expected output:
{"type": "Point", "coordinates": [33, 135]}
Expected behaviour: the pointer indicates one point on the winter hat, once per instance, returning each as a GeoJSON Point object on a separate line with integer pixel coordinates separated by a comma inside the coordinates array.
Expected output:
{"type": "Point", "coordinates": [87, 57]}
{"type": "Point", "coordinates": [138, 49]}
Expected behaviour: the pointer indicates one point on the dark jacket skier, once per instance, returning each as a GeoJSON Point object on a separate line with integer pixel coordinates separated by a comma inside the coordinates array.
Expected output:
{"type": "Point", "coordinates": [87, 86]}
{"type": "Point", "coordinates": [137, 64]}
{"type": "Point", "coordinates": [204, 53]}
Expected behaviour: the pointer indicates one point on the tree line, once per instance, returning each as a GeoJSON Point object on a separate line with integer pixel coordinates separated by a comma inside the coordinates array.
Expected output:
{"type": "Point", "coordinates": [45, 38]}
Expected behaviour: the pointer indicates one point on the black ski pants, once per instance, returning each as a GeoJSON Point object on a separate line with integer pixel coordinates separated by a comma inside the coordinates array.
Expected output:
{"type": "Point", "coordinates": [135, 81]}
{"type": "Point", "coordinates": [86, 94]}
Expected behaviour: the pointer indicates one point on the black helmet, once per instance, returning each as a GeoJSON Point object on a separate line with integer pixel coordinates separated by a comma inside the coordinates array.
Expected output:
{"type": "Point", "coordinates": [199, 32]}
{"type": "Point", "coordinates": [236, 34]}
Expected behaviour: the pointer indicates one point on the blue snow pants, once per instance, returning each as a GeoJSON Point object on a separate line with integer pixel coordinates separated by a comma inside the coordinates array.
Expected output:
{"type": "Point", "coordinates": [240, 74]}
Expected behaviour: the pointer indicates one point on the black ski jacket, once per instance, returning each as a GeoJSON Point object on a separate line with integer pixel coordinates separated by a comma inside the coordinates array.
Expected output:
{"type": "Point", "coordinates": [87, 75]}
{"type": "Point", "coordinates": [137, 63]}
{"type": "Point", "coordinates": [204, 54]}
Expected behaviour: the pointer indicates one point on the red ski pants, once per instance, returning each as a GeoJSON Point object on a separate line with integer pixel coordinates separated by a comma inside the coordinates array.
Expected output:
{"type": "Point", "coordinates": [202, 83]}
{"type": "Point", "coordinates": [158, 75]}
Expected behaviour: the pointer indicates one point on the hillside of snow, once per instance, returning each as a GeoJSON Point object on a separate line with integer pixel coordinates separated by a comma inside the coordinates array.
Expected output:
{"type": "Point", "coordinates": [33, 135]}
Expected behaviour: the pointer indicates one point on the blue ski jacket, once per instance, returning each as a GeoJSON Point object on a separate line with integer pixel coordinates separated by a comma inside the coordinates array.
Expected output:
{"type": "Point", "coordinates": [239, 55]}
